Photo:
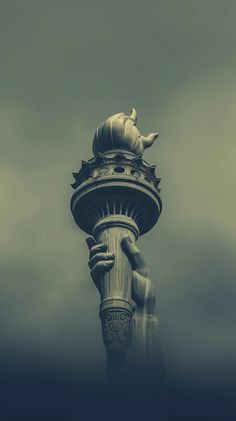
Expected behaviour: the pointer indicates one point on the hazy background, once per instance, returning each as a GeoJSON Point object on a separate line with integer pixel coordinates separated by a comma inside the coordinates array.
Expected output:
{"type": "Point", "coordinates": [65, 67]}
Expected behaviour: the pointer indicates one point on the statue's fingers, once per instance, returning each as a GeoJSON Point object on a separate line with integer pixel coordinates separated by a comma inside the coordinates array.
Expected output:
{"type": "Point", "coordinates": [90, 242]}
{"type": "Point", "coordinates": [133, 253]}
{"type": "Point", "coordinates": [101, 267]}
{"type": "Point", "coordinates": [97, 248]}
{"type": "Point", "coordinates": [100, 257]}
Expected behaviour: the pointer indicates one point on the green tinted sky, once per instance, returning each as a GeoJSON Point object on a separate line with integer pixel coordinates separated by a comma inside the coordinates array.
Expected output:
{"type": "Point", "coordinates": [66, 66]}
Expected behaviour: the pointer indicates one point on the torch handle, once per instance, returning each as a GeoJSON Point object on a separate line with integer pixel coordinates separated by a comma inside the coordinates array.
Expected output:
{"type": "Point", "coordinates": [117, 281]}
{"type": "Point", "coordinates": [116, 306]}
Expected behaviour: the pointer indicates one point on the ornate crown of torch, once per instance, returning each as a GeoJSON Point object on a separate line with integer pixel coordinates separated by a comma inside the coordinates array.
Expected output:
{"type": "Point", "coordinates": [116, 194]}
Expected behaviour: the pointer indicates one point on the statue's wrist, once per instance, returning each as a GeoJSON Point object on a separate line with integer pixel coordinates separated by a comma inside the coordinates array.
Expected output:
{"type": "Point", "coordinates": [148, 313]}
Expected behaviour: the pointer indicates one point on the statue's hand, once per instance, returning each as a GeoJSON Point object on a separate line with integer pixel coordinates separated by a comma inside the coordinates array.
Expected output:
{"type": "Point", "coordinates": [100, 260]}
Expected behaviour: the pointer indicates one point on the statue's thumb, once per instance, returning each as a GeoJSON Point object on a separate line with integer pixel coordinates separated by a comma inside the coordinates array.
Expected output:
{"type": "Point", "coordinates": [127, 245]}
{"type": "Point", "coordinates": [133, 253]}
{"type": "Point", "coordinates": [130, 250]}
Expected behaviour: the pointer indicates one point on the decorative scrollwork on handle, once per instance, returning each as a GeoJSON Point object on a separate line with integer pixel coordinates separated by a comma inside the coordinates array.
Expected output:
{"type": "Point", "coordinates": [116, 330]}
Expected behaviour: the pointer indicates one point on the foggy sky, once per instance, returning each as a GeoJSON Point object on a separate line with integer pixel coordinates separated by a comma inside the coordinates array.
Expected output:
{"type": "Point", "coordinates": [65, 67]}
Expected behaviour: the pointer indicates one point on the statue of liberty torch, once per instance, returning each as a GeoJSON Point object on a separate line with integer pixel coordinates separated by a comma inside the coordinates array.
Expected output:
{"type": "Point", "coordinates": [116, 199]}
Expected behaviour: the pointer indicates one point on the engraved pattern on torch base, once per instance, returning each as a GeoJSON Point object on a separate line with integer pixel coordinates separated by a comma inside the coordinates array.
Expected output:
{"type": "Point", "coordinates": [116, 330]}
